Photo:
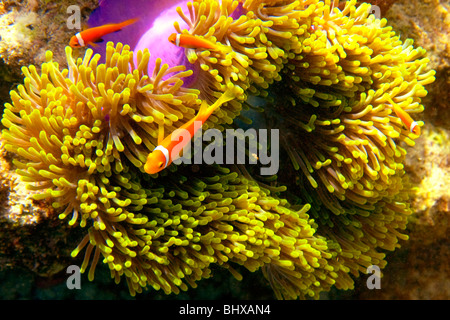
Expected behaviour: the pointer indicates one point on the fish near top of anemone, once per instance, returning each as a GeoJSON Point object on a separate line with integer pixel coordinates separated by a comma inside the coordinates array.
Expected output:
{"type": "Point", "coordinates": [94, 35]}
{"type": "Point", "coordinates": [190, 41]}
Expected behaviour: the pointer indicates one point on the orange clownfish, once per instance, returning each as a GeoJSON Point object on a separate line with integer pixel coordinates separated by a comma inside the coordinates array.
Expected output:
{"type": "Point", "coordinates": [190, 41]}
{"type": "Point", "coordinates": [162, 155]}
{"type": "Point", "coordinates": [94, 35]}
{"type": "Point", "coordinates": [409, 122]}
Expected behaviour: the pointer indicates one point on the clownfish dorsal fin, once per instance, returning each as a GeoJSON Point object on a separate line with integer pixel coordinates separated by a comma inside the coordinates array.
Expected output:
{"type": "Point", "coordinates": [229, 94]}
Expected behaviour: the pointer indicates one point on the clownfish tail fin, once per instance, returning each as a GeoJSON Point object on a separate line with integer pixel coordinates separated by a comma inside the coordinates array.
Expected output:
{"type": "Point", "coordinates": [125, 23]}
{"type": "Point", "coordinates": [230, 94]}
{"type": "Point", "coordinates": [128, 22]}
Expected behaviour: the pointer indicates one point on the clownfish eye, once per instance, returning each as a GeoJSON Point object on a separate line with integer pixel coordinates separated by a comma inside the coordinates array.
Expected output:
{"type": "Point", "coordinates": [160, 165]}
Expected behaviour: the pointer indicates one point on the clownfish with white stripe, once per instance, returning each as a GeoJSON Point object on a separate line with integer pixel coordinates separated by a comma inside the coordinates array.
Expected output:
{"type": "Point", "coordinates": [94, 35]}
{"type": "Point", "coordinates": [161, 157]}
{"type": "Point", "coordinates": [193, 42]}
{"type": "Point", "coordinates": [409, 122]}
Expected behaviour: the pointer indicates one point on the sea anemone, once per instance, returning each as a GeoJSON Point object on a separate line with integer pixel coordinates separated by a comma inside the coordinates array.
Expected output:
{"type": "Point", "coordinates": [83, 134]}
{"type": "Point", "coordinates": [340, 91]}
{"type": "Point", "coordinates": [335, 105]}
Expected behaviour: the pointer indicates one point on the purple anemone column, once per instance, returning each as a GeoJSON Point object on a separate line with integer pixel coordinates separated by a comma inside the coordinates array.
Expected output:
{"type": "Point", "coordinates": [152, 31]}
{"type": "Point", "coordinates": [156, 19]}
{"type": "Point", "coordinates": [156, 40]}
